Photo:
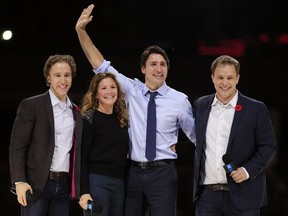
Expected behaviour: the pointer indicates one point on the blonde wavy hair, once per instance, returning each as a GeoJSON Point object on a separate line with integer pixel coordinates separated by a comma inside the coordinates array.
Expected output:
{"type": "Point", "coordinates": [90, 101]}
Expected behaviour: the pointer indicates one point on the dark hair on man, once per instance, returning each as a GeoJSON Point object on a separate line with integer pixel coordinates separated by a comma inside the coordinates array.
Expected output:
{"type": "Point", "coordinates": [153, 50]}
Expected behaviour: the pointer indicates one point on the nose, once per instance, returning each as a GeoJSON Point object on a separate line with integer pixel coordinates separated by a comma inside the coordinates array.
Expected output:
{"type": "Point", "coordinates": [63, 79]}
{"type": "Point", "coordinates": [158, 68]}
{"type": "Point", "coordinates": [225, 81]}
{"type": "Point", "coordinates": [109, 91]}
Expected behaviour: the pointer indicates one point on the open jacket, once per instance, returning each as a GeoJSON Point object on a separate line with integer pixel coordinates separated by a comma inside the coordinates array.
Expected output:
{"type": "Point", "coordinates": [251, 145]}
{"type": "Point", "coordinates": [32, 144]}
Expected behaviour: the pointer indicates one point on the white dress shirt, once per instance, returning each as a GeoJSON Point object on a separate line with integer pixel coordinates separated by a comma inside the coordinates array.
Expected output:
{"type": "Point", "coordinates": [217, 137]}
{"type": "Point", "coordinates": [64, 126]}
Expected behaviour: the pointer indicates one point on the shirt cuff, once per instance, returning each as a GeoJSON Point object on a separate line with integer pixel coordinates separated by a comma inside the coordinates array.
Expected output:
{"type": "Point", "coordinates": [247, 174]}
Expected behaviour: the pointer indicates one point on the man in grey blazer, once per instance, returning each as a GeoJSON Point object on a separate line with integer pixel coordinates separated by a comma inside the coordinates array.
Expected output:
{"type": "Point", "coordinates": [235, 142]}
{"type": "Point", "coordinates": [45, 145]}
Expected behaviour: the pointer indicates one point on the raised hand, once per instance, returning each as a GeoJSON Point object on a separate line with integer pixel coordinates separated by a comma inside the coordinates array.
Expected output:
{"type": "Point", "coordinates": [85, 18]}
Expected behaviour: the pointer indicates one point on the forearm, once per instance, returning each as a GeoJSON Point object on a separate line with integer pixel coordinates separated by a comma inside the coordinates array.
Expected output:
{"type": "Point", "coordinates": [91, 52]}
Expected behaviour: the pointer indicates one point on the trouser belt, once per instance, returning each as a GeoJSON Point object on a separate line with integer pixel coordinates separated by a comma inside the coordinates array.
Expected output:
{"type": "Point", "coordinates": [150, 164]}
{"type": "Point", "coordinates": [217, 187]}
{"type": "Point", "coordinates": [57, 176]}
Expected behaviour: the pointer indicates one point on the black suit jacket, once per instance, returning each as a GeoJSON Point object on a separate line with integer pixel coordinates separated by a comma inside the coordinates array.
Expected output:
{"type": "Point", "coordinates": [251, 145]}
{"type": "Point", "coordinates": [32, 144]}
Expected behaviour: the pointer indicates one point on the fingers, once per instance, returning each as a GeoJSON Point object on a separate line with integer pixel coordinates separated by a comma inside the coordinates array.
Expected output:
{"type": "Point", "coordinates": [87, 11]}
{"type": "Point", "coordinates": [173, 148]}
{"type": "Point", "coordinates": [84, 199]}
{"type": "Point", "coordinates": [90, 7]}
{"type": "Point", "coordinates": [238, 180]}
{"type": "Point", "coordinates": [238, 175]}
{"type": "Point", "coordinates": [21, 190]}
{"type": "Point", "coordinates": [83, 205]}
{"type": "Point", "coordinates": [85, 17]}
{"type": "Point", "coordinates": [22, 199]}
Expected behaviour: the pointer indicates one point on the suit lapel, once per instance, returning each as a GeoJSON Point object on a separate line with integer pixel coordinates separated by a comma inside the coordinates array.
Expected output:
{"type": "Point", "coordinates": [207, 108]}
{"type": "Point", "coordinates": [236, 121]}
{"type": "Point", "coordinates": [49, 110]}
{"type": "Point", "coordinates": [204, 111]}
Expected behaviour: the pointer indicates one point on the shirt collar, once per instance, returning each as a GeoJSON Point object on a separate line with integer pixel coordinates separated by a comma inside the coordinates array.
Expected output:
{"type": "Point", "coordinates": [231, 103]}
{"type": "Point", "coordinates": [55, 100]}
{"type": "Point", "coordinates": [162, 90]}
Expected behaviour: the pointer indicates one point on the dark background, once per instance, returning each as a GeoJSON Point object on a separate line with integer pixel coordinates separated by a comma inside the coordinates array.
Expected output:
{"type": "Point", "coordinates": [193, 32]}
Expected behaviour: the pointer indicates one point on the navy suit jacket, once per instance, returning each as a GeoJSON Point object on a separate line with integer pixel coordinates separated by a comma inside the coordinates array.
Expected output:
{"type": "Point", "coordinates": [251, 145]}
{"type": "Point", "coordinates": [32, 144]}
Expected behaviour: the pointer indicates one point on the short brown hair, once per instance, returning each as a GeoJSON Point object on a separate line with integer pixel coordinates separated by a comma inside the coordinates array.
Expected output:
{"type": "Point", "coordinates": [225, 60]}
{"type": "Point", "coordinates": [53, 59]}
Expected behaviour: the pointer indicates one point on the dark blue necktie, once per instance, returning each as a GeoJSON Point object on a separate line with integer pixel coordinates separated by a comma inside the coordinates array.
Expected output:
{"type": "Point", "coordinates": [151, 128]}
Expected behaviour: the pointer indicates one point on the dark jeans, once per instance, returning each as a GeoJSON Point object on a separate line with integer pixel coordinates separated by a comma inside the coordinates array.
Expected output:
{"type": "Point", "coordinates": [107, 192]}
{"type": "Point", "coordinates": [219, 203]}
{"type": "Point", "coordinates": [153, 190]}
{"type": "Point", "coordinates": [53, 201]}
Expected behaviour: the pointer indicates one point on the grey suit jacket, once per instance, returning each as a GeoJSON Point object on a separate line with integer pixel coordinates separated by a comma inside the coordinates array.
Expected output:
{"type": "Point", "coordinates": [251, 145]}
{"type": "Point", "coordinates": [32, 144]}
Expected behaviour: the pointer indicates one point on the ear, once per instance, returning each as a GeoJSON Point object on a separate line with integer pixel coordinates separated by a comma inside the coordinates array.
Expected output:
{"type": "Point", "coordinates": [143, 70]}
{"type": "Point", "coordinates": [238, 78]}
{"type": "Point", "coordinates": [212, 76]}
{"type": "Point", "coordinates": [49, 79]}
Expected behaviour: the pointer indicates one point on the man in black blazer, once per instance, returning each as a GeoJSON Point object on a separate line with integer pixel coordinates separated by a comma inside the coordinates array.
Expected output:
{"type": "Point", "coordinates": [45, 145]}
{"type": "Point", "coordinates": [235, 142]}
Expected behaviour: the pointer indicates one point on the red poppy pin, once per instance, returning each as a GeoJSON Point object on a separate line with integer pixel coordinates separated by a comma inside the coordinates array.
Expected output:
{"type": "Point", "coordinates": [77, 108]}
{"type": "Point", "coordinates": [238, 107]}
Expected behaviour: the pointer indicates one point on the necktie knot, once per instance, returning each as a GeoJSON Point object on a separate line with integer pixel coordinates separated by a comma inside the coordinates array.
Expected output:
{"type": "Point", "coordinates": [153, 95]}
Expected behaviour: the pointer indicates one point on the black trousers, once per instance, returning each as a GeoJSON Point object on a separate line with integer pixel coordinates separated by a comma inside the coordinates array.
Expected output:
{"type": "Point", "coordinates": [152, 190]}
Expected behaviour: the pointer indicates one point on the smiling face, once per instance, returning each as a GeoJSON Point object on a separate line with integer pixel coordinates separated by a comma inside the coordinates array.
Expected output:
{"type": "Point", "coordinates": [155, 71]}
{"type": "Point", "coordinates": [60, 79]}
{"type": "Point", "coordinates": [225, 79]}
{"type": "Point", "coordinates": [107, 93]}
